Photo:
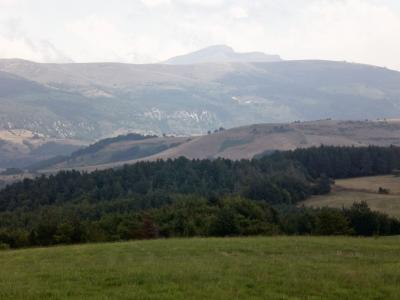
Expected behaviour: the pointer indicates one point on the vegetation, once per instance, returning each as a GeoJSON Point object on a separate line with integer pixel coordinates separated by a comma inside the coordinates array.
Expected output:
{"type": "Point", "coordinates": [105, 142]}
{"type": "Point", "coordinates": [141, 151]}
{"type": "Point", "coordinates": [12, 171]}
{"type": "Point", "coordinates": [186, 198]}
{"type": "Point", "coordinates": [94, 148]}
{"type": "Point", "coordinates": [212, 268]}
{"type": "Point", "coordinates": [347, 191]}
{"type": "Point", "coordinates": [346, 162]}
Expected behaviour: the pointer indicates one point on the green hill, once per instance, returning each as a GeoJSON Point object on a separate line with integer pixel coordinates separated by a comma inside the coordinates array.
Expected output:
{"type": "Point", "coordinates": [237, 143]}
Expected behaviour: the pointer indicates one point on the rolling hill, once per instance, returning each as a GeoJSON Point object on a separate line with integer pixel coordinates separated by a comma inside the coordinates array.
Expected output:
{"type": "Point", "coordinates": [237, 143]}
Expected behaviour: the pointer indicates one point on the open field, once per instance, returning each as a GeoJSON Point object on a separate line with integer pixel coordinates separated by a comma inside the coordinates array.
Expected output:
{"type": "Point", "coordinates": [347, 191]}
{"type": "Point", "coordinates": [372, 184]}
{"type": "Point", "coordinates": [231, 268]}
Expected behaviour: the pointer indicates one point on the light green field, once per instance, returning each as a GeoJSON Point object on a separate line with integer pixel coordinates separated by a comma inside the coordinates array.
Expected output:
{"type": "Point", "coordinates": [231, 268]}
{"type": "Point", "coordinates": [347, 191]}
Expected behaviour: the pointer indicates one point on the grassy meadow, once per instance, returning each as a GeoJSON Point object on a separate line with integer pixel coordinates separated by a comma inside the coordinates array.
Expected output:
{"type": "Point", "coordinates": [347, 191]}
{"type": "Point", "coordinates": [207, 268]}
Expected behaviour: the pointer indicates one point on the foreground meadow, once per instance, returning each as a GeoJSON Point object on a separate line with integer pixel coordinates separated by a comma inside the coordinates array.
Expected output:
{"type": "Point", "coordinates": [212, 268]}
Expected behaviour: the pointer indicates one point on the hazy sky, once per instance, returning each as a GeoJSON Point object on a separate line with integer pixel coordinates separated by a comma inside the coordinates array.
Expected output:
{"type": "Point", "coordinates": [140, 31]}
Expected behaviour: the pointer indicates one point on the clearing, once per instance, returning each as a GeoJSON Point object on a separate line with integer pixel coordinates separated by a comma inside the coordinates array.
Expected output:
{"type": "Point", "coordinates": [347, 191]}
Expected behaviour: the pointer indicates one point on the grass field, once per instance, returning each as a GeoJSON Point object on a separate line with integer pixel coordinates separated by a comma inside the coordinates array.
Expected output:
{"type": "Point", "coordinates": [231, 268]}
{"type": "Point", "coordinates": [347, 191]}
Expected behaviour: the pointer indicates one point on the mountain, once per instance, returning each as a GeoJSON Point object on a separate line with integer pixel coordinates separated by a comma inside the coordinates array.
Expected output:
{"type": "Point", "coordinates": [220, 54]}
{"type": "Point", "coordinates": [91, 101]}
{"type": "Point", "coordinates": [25, 123]}
{"type": "Point", "coordinates": [237, 143]}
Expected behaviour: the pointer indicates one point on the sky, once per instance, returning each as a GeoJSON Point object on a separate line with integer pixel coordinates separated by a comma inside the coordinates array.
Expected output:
{"type": "Point", "coordinates": [147, 31]}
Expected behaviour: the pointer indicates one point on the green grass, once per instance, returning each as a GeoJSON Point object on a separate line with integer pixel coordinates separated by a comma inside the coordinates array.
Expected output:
{"type": "Point", "coordinates": [231, 268]}
{"type": "Point", "coordinates": [347, 191]}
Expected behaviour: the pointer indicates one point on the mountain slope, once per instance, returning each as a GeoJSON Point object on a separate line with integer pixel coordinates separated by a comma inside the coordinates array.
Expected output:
{"type": "Point", "coordinates": [19, 148]}
{"type": "Point", "coordinates": [93, 101]}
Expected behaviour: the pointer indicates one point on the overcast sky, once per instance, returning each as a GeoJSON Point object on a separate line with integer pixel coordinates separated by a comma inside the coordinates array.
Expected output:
{"type": "Point", "coordinates": [142, 31]}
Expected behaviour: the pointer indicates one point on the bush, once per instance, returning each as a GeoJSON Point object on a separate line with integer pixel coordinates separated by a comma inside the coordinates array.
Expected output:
{"type": "Point", "coordinates": [4, 246]}
{"type": "Point", "coordinates": [332, 222]}
{"type": "Point", "coordinates": [226, 223]}
{"type": "Point", "coordinates": [383, 191]}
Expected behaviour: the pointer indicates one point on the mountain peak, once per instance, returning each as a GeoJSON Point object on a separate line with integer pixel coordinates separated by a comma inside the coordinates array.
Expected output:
{"type": "Point", "coordinates": [220, 54]}
{"type": "Point", "coordinates": [217, 48]}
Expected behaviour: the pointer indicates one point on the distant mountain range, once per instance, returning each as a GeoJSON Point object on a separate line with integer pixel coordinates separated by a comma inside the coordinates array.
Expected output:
{"type": "Point", "coordinates": [84, 102]}
{"type": "Point", "coordinates": [221, 54]}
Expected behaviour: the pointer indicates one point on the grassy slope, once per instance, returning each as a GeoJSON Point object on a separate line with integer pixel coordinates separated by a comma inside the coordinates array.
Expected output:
{"type": "Point", "coordinates": [239, 268]}
{"type": "Point", "coordinates": [348, 191]}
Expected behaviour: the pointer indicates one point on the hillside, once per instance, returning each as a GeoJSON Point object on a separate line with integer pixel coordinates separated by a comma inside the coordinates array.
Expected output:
{"type": "Point", "coordinates": [239, 143]}
{"type": "Point", "coordinates": [19, 148]}
{"type": "Point", "coordinates": [112, 150]}
{"type": "Point", "coordinates": [90, 101]}
{"type": "Point", "coordinates": [223, 268]}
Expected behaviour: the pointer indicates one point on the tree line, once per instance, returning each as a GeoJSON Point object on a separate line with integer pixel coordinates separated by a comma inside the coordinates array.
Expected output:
{"type": "Point", "coordinates": [190, 216]}
{"type": "Point", "coordinates": [185, 197]}
{"type": "Point", "coordinates": [346, 162]}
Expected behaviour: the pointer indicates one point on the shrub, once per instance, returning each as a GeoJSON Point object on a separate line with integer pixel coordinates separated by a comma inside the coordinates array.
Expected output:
{"type": "Point", "coordinates": [332, 222]}
{"type": "Point", "coordinates": [4, 246]}
{"type": "Point", "coordinates": [383, 191]}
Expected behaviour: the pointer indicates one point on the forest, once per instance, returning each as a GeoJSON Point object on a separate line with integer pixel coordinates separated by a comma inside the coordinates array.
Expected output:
{"type": "Point", "coordinates": [185, 198]}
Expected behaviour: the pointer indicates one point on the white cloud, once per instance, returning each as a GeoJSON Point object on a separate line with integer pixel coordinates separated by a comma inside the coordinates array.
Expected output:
{"type": "Point", "coordinates": [153, 3]}
{"type": "Point", "coordinates": [365, 31]}
{"type": "Point", "coordinates": [4, 3]}
{"type": "Point", "coordinates": [102, 39]}
{"type": "Point", "coordinates": [238, 12]}
{"type": "Point", "coordinates": [354, 30]}
{"type": "Point", "coordinates": [204, 3]}
{"type": "Point", "coordinates": [16, 43]}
